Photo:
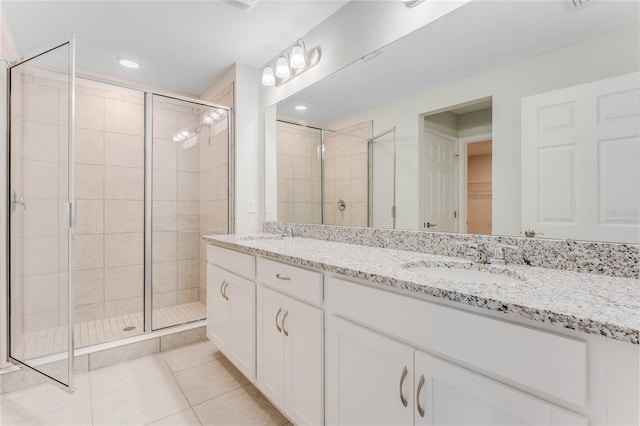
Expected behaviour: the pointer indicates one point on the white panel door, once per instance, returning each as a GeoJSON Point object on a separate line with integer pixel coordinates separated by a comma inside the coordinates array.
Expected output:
{"type": "Point", "coordinates": [303, 328]}
{"type": "Point", "coordinates": [241, 298]}
{"type": "Point", "coordinates": [270, 356]}
{"type": "Point", "coordinates": [581, 161]}
{"type": "Point", "coordinates": [450, 395]}
{"type": "Point", "coordinates": [441, 199]}
{"type": "Point", "coordinates": [217, 307]}
{"type": "Point", "coordinates": [374, 385]}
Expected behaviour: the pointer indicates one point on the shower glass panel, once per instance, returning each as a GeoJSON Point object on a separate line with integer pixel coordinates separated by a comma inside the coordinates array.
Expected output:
{"type": "Point", "coordinates": [40, 199]}
{"type": "Point", "coordinates": [190, 198]}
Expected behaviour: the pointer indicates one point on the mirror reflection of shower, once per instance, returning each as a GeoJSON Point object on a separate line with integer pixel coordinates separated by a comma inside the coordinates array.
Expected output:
{"type": "Point", "coordinates": [187, 136]}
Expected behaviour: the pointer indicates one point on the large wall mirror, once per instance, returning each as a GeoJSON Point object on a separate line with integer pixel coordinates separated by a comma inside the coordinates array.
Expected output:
{"type": "Point", "coordinates": [498, 118]}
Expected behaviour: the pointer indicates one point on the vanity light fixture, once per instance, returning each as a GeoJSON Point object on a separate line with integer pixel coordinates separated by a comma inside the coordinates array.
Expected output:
{"type": "Point", "coordinates": [293, 61]}
{"type": "Point", "coordinates": [128, 63]}
{"type": "Point", "coordinates": [412, 3]}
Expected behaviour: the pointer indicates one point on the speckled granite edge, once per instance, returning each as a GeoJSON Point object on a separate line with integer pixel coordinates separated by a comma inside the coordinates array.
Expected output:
{"type": "Point", "coordinates": [613, 259]}
{"type": "Point", "coordinates": [548, 316]}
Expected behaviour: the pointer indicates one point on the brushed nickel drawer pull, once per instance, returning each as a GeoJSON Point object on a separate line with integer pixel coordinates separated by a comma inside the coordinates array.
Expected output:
{"type": "Point", "coordinates": [286, 333]}
{"type": "Point", "coordinates": [283, 277]}
{"type": "Point", "coordinates": [277, 315]}
{"type": "Point", "coordinates": [404, 376]}
{"type": "Point", "coordinates": [420, 384]}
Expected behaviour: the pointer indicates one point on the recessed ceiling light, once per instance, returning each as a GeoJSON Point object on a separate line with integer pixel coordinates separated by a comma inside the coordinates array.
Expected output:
{"type": "Point", "coordinates": [128, 63]}
{"type": "Point", "coordinates": [300, 107]}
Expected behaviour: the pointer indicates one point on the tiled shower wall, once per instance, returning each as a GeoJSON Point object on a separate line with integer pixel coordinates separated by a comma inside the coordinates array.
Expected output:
{"type": "Point", "coordinates": [190, 198]}
{"type": "Point", "coordinates": [299, 173]}
{"type": "Point", "coordinates": [346, 175]}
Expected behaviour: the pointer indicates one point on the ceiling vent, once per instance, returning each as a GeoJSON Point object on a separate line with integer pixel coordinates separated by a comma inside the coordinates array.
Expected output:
{"type": "Point", "coordinates": [246, 5]}
{"type": "Point", "coordinates": [578, 4]}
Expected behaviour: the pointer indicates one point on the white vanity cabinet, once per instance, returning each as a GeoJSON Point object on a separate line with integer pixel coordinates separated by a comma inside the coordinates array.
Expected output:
{"type": "Point", "coordinates": [290, 336]}
{"type": "Point", "coordinates": [231, 307]}
{"type": "Point", "coordinates": [393, 359]}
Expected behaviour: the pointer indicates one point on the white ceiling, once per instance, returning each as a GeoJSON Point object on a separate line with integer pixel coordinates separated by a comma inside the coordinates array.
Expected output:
{"type": "Point", "coordinates": [474, 38]}
{"type": "Point", "coordinates": [181, 45]}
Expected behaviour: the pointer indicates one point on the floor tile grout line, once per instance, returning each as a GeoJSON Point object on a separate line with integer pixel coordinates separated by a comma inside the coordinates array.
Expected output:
{"type": "Point", "coordinates": [182, 391]}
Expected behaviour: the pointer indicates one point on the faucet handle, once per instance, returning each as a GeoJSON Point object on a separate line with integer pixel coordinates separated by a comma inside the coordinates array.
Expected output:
{"type": "Point", "coordinates": [497, 252]}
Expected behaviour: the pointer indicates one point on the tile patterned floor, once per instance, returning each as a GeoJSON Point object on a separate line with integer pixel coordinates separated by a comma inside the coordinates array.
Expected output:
{"type": "Point", "coordinates": [49, 341]}
{"type": "Point", "coordinates": [192, 385]}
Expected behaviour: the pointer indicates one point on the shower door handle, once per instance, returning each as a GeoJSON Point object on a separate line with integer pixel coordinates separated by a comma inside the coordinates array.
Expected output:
{"type": "Point", "coordinates": [15, 201]}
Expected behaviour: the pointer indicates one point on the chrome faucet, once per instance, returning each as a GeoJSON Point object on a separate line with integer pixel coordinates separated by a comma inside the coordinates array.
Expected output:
{"type": "Point", "coordinates": [497, 253]}
{"type": "Point", "coordinates": [481, 254]}
{"type": "Point", "coordinates": [284, 230]}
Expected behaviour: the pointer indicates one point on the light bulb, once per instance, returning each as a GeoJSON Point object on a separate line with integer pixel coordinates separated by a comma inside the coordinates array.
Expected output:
{"type": "Point", "coordinates": [268, 78]}
{"type": "Point", "coordinates": [221, 112]}
{"type": "Point", "coordinates": [207, 119]}
{"type": "Point", "coordinates": [297, 57]}
{"type": "Point", "coordinates": [215, 116]}
{"type": "Point", "coordinates": [282, 68]}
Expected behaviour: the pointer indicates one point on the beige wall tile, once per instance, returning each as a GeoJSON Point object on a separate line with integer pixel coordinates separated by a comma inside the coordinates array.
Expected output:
{"type": "Point", "coordinates": [89, 112]}
{"type": "Point", "coordinates": [284, 166]}
{"type": "Point", "coordinates": [41, 218]}
{"type": "Point", "coordinates": [123, 117]}
{"type": "Point", "coordinates": [165, 246]}
{"type": "Point", "coordinates": [40, 320]}
{"type": "Point", "coordinates": [189, 215]}
{"type": "Point", "coordinates": [40, 255]}
{"type": "Point", "coordinates": [187, 296]}
{"type": "Point", "coordinates": [123, 183]}
{"type": "Point", "coordinates": [124, 282]}
{"type": "Point", "coordinates": [123, 307]}
{"type": "Point", "coordinates": [120, 354]}
{"type": "Point", "coordinates": [88, 252]}
{"type": "Point", "coordinates": [165, 122]}
{"type": "Point", "coordinates": [222, 178]}
{"type": "Point", "coordinates": [188, 186]}
{"type": "Point", "coordinates": [165, 154]}
{"type": "Point", "coordinates": [123, 249]}
{"type": "Point", "coordinates": [123, 150]}
{"type": "Point", "coordinates": [40, 293]}
{"type": "Point", "coordinates": [359, 166]}
{"type": "Point", "coordinates": [165, 185]}
{"type": "Point", "coordinates": [40, 179]}
{"type": "Point", "coordinates": [40, 142]}
{"type": "Point", "coordinates": [165, 277]}
{"type": "Point", "coordinates": [124, 216]}
{"type": "Point", "coordinates": [188, 273]}
{"type": "Point", "coordinates": [89, 146]}
{"type": "Point", "coordinates": [302, 168]}
{"type": "Point", "coordinates": [165, 215]}
{"type": "Point", "coordinates": [189, 159]}
{"type": "Point", "coordinates": [222, 155]}
{"type": "Point", "coordinates": [40, 104]}
{"type": "Point", "coordinates": [88, 286]}
{"type": "Point", "coordinates": [90, 217]}
{"type": "Point", "coordinates": [83, 313]}
{"type": "Point", "coordinates": [343, 168]}
{"type": "Point", "coordinates": [359, 190]}
{"type": "Point", "coordinates": [89, 182]}
{"type": "Point", "coordinates": [188, 245]}
{"type": "Point", "coordinates": [161, 300]}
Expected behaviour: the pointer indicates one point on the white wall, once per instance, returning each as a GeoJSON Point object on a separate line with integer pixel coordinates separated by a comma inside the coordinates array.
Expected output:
{"type": "Point", "coordinates": [609, 55]}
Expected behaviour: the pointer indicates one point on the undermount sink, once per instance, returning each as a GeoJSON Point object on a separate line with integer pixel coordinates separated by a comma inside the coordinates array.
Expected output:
{"type": "Point", "coordinates": [465, 272]}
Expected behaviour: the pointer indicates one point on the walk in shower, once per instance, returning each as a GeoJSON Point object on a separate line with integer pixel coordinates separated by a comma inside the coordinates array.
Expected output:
{"type": "Point", "coordinates": [105, 224]}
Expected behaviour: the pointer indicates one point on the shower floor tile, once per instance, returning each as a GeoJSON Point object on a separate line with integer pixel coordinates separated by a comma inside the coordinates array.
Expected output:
{"type": "Point", "coordinates": [40, 343]}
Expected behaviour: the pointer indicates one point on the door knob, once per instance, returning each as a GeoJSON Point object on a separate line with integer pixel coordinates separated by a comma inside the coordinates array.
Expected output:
{"type": "Point", "coordinates": [429, 225]}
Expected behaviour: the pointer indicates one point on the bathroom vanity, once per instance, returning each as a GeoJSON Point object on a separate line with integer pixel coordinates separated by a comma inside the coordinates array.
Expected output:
{"type": "Point", "coordinates": [336, 333]}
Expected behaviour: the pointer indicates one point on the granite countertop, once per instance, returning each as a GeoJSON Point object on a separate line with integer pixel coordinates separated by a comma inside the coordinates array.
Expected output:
{"type": "Point", "coordinates": [594, 304]}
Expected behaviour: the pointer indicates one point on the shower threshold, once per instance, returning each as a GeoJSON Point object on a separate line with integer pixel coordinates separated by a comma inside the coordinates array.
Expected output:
{"type": "Point", "coordinates": [48, 341]}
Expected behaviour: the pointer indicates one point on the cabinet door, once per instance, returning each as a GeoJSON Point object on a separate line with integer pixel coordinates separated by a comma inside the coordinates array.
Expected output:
{"type": "Point", "coordinates": [217, 307]}
{"type": "Point", "coordinates": [375, 378]}
{"type": "Point", "coordinates": [241, 350]}
{"type": "Point", "coordinates": [270, 374]}
{"type": "Point", "coordinates": [447, 394]}
{"type": "Point", "coordinates": [303, 328]}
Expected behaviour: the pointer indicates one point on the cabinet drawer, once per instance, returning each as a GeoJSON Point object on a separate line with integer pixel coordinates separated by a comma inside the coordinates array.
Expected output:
{"type": "Point", "coordinates": [297, 282]}
{"type": "Point", "coordinates": [236, 262]}
{"type": "Point", "coordinates": [546, 362]}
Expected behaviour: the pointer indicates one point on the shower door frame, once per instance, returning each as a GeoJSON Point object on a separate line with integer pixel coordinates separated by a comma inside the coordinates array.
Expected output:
{"type": "Point", "coordinates": [70, 210]}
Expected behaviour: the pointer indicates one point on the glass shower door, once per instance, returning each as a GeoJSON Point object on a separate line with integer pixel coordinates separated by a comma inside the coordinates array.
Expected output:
{"type": "Point", "coordinates": [42, 213]}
